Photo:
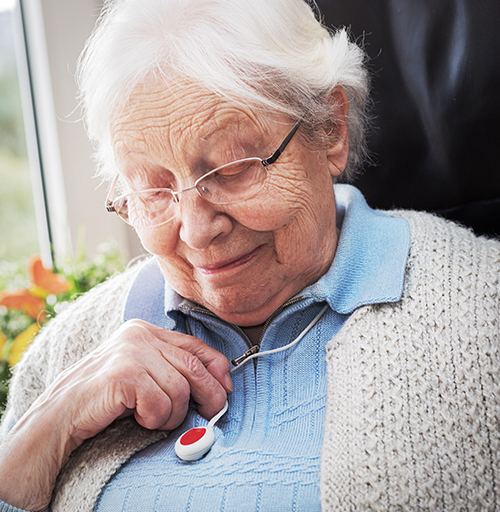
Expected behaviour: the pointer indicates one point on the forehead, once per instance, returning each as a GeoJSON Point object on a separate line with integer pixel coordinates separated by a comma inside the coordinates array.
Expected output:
{"type": "Point", "coordinates": [181, 109]}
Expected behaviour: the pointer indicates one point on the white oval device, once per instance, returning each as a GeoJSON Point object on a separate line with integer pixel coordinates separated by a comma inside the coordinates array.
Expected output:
{"type": "Point", "coordinates": [194, 443]}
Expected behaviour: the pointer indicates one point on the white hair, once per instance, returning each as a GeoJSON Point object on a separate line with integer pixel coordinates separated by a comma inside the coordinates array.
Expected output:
{"type": "Point", "coordinates": [270, 54]}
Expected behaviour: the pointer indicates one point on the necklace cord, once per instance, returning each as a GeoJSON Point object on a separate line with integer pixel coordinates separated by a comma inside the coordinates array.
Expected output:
{"type": "Point", "coordinates": [218, 416]}
{"type": "Point", "coordinates": [313, 322]}
{"type": "Point", "coordinates": [186, 452]}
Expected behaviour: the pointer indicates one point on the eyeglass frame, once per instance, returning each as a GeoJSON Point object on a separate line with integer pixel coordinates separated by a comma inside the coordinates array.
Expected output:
{"type": "Point", "coordinates": [175, 194]}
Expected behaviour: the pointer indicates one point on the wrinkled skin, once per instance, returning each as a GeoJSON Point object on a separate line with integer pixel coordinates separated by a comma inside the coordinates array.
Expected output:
{"type": "Point", "coordinates": [240, 261]}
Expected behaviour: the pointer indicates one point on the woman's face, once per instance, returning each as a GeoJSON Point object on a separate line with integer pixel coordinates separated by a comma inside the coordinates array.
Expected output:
{"type": "Point", "coordinates": [241, 261]}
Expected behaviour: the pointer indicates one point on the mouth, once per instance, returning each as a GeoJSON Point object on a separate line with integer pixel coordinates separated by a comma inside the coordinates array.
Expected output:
{"type": "Point", "coordinates": [223, 266]}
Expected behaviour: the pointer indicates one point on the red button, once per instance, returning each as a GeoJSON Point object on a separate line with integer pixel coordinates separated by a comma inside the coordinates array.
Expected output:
{"type": "Point", "coordinates": [193, 435]}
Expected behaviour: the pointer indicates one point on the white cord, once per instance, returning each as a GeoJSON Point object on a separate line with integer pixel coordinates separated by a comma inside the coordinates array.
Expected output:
{"type": "Point", "coordinates": [280, 349]}
{"type": "Point", "coordinates": [189, 449]}
{"type": "Point", "coordinates": [218, 416]}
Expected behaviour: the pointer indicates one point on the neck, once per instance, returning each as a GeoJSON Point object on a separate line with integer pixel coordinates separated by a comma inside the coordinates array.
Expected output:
{"type": "Point", "coordinates": [253, 332]}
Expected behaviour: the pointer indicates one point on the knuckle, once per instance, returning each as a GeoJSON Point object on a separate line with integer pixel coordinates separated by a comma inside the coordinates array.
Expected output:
{"type": "Point", "coordinates": [183, 391]}
{"type": "Point", "coordinates": [194, 366]}
{"type": "Point", "coordinates": [220, 397]}
{"type": "Point", "coordinates": [222, 363]}
{"type": "Point", "coordinates": [154, 416]}
{"type": "Point", "coordinates": [134, 330]}
{"type": "Point", "coordinates": [177, 416]}
{"type": "Point", "coordinates": [125, 358]}
{"type": "Point", "coordinates": [135, 322]}
{"type": "Point", "coordinates": [179, 388]}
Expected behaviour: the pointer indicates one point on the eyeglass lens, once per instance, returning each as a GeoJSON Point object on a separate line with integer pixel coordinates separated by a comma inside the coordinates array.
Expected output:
{"type": "Point", "coordinates": [230, 183]}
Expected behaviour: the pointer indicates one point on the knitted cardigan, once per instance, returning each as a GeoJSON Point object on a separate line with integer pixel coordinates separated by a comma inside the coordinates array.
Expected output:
{"type": "Point", "coordinates": [413, 406]}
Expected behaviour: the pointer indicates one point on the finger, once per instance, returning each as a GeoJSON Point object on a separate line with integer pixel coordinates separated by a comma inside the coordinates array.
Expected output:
{"type": "Point", "coordinates": [208, 393]}
{"type": "Point", "coordinates": [214, 361]}
{"type": "Point", "coordinates": [147, 386]}
{"type": "Point", "coordinates": [165, 403]}
{"type": "Point", "coordinates": [182, 352]}
{"type": "Point", "coordinates": [143, 380]}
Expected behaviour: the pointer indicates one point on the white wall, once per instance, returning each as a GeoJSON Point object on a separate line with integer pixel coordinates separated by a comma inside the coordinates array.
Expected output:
{"type": "Point", "coordinates": [75, 199]}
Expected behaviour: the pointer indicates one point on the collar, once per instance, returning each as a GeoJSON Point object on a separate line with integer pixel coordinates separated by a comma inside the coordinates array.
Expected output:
{"type": "Point", "coordinates": [368, 267]}
{"type": "Point", "coordinates": [370, 261]}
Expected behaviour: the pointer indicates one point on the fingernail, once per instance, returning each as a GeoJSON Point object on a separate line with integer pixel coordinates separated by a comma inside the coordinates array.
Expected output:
{"type": "Point", "coordinates": [228, 382]}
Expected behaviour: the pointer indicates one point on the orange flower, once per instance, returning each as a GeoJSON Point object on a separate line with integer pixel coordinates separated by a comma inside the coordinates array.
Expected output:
{"type": "Point", "coordinates": [45, 278]}
{"type": "Point", "coordinates": [23, 300]}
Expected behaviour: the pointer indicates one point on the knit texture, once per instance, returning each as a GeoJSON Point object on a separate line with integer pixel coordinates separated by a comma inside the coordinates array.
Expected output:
{"type": "Point", "coordinates": [413, 407]}
{"type": "Point", "coordinates": [413, 404]}
{"type": "Point", "coordinates": [77, 331]}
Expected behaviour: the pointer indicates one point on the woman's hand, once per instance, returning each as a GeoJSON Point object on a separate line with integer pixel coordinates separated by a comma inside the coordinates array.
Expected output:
{"type": "Point", "coordinates": [147, 371]}
{"type": "Point", "coordinates": [141, 370]}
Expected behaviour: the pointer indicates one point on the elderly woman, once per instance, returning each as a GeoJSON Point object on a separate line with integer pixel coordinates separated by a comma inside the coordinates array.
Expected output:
{"type": "Point", "coordinates": [365, 345]}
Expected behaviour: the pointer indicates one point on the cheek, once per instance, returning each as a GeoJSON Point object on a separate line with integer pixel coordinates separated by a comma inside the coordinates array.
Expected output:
{"type": "Point", "coordinates": [272, 210]}
{"type": "Point", "coordinates": [264, 218]}
{"type": "Point", "coordinates": [163, 244]}
{"type": "Point", "coordinates": [158, 241]}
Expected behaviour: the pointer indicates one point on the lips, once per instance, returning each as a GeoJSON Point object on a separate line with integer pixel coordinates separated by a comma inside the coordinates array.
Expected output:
{"type": "Point", "coordinates": [223, 266]}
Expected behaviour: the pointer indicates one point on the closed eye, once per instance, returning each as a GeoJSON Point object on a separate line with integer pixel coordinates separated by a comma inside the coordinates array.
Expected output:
{"type": "Point", "coordinates": [236, 169]}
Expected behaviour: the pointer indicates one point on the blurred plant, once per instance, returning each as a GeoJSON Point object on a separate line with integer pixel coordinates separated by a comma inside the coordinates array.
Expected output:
{"type": "Point", "coordinates": [30, 298]}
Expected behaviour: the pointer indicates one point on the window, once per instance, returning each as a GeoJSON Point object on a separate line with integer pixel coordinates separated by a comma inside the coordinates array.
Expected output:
{"type": "Point", "coordinates": [18, 227]}
{"type": "Point", "coordinates": [65, 200]}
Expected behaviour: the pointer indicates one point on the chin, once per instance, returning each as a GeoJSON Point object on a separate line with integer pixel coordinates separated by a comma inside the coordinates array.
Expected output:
{"type": "Point", "coordinates": [238, 305]}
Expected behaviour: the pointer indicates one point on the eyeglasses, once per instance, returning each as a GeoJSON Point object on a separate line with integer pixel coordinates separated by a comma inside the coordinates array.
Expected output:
{"type": "Point", "coordinates": [230, 183]}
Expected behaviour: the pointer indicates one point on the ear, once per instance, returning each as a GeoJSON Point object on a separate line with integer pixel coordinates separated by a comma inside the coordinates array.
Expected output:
{"type": "Point", "coordinates": [338, 152]}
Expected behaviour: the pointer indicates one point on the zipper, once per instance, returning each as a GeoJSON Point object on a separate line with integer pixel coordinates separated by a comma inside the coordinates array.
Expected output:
{"type": "Point", "coordinates": [253, 349]}
{"type": "Point", "coordinates": [205, 311]}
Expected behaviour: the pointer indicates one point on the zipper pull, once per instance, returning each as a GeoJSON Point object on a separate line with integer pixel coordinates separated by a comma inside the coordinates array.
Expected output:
{"type": "Point", "coordinates": [252, 350]}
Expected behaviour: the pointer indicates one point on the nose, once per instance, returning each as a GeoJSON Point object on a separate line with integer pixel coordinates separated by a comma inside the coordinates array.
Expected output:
{"type": "Point", "coordinates": [177, 195]}
{"type": "Point", "coordinates": [200, 221]}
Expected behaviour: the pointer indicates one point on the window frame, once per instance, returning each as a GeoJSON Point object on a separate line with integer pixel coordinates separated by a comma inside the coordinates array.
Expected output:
{"type": "Point", "coordinates": [32, 134]}
{"type": "Point", "coordinates": [49, 37]}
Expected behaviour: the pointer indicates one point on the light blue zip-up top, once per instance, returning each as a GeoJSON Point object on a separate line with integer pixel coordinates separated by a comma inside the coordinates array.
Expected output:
{"type": "Point", "coordinates": [267, 451]}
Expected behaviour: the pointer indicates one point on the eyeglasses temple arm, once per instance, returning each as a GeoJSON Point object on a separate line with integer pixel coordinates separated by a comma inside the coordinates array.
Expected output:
{"type": "Point", "coordinates": [284, 144]}
{"type": "Point", "coordinates": [109, 203]}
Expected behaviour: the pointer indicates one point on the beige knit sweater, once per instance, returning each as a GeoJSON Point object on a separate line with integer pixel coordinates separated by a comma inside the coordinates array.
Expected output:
{"type": "Point", "coordinates": [413, 411]}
